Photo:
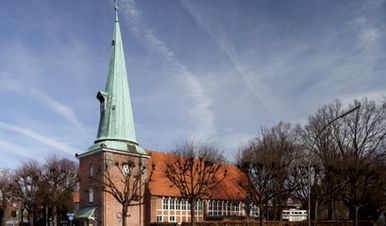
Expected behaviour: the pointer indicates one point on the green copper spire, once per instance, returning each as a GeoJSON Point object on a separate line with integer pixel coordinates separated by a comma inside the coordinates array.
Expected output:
{"type": "Point", "coordinates": [116, 126]}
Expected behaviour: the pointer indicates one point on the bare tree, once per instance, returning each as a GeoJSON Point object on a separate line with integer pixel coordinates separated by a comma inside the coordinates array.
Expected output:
{"type": "Point", "coordinates": [60, 179]}
{"type": "Point", "coordinates": [352, 154]}
{"type": "Point", "coordinates": [126, 180]}
{"type": "Point", "coordinates": [26, 188]}
{"type": "Point", "coordinates": [359, 142]}
{"type": "Point", "coordinates": [325, 156]}
{"type": "Point", "coordinates": [195, 169]}
{"type": "Point", "coordinates": [267, 161]}
{"type": "Point", "coordinates": [301, 173]}
{"type": "Point", "coordinates": [5, 192]}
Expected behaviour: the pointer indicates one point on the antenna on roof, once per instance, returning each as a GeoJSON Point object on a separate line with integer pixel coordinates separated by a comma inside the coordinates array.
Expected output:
{"type": "Point", "coordinates": [116, 5]}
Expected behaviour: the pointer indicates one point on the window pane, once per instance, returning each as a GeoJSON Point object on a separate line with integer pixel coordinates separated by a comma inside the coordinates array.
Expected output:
{"type": "Point", "coordinates": [172, 203]}
{"type": "Point", "coordinates": [91, 195]}
{"type": "Point", "coordinates": [165, 205]}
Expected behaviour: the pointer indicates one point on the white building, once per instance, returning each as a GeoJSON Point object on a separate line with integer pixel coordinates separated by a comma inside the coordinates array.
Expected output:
{"type": "Point", "coordinates": [294, 215]}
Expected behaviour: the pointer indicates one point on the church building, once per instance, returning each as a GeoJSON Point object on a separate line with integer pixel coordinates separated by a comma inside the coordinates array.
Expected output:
{"type": "Point", "coordinates": [116, 144]}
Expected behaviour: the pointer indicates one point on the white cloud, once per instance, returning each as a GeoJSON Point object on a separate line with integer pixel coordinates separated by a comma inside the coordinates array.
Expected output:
{"type": "Point", "coordinates": [48, 141]}
{"type": "Point", "coordinates": [17, 150]}
{"type": "Point", "coordinates": [251, 81]}
{"type": "Point", "coordinates": [369, 36]}
{"type": "Point", "coordinates": [376, 95]}
{"type": "Point", "coordinates": [368, 31]}
{"type": "Point", "coordinates": [7, 82]}
{"type": "Point", "coordinates": [199, 113]}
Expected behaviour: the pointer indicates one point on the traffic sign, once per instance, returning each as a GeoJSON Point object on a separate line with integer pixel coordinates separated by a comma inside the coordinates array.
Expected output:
{"type": "Point", "coordinates": [70, 216]}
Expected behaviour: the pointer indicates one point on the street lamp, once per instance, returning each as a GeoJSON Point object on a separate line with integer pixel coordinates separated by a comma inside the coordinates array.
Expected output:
{"type": "Point", "coordinates": [312, 148]}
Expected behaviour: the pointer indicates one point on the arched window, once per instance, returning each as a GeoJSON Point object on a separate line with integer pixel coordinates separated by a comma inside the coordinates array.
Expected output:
{"type": "Point", "coordinates": [126, 169]}
{"type": "Point", "coordinates": [91, 170]}
{"type": "Point", "coordinates": [91, 195]}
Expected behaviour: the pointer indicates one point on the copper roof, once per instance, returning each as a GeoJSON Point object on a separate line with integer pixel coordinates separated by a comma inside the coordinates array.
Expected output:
{"type": "Point", "coordinates": [228, 189]}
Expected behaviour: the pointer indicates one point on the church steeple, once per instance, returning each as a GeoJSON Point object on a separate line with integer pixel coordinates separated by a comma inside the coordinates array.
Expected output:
{"type": "Point", "coordinates": [116, 126]}
{"type": "Point", "coordinates": [116, 10]}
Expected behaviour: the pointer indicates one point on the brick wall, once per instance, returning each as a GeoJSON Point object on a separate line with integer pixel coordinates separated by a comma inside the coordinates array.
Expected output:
{"type": "Point", "coordinates": [107, 206]}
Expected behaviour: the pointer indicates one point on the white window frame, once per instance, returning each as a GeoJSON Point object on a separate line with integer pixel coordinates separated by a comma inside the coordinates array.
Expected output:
{"type": "Point", "coordinates": [165, 203]}
{"type": "Point", "coordinates": [172, 203]}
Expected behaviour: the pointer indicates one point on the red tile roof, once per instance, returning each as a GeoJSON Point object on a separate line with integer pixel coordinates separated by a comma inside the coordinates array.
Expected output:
{"type": "Point", "coordinates": [228, 189]}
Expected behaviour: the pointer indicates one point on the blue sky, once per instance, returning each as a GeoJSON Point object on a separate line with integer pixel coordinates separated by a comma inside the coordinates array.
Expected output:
{"type": "Point", "coordinates": [212, 70]}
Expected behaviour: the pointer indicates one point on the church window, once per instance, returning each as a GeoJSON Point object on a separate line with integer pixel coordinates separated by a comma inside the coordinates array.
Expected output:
{"type": "Point", "coordinates": [199, 205]}
{"type": "Point", "coordinates": [229, 207]}
{"type": "Point", "coordinates": [126, 169]}
{"type": "Point", "coordinates": [165, 203]}
{"type": "Point", "coordinates": [91, 195]}
{"type": "Point", "coordinates": [219, 208]}
{"type": "Point", "coordinates": [91, 170]}
{"type": "Point", "coordinates": [210, 208]}
{"type": "Point", "coordinates": [183, 204]}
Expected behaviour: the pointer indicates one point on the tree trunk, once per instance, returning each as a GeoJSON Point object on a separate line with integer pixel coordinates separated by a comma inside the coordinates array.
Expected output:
{"type": "Point", "coordinates": [4, 205]}
{"type": "Point", "coordinates": [261, 211]}
{"type": "Point", "coordinates": [124, 215]}
{"type": "Point", "coordinates": [192, 211]}
{"type": "Point", "coordinates": [275, 209]}
{"type": "Point", "coordinates": [356, 216]}
{"type": "Point", "coordinates": [279, 204]}
{"type": "Point", "coordinates": [2, 222]}
{"type": "Point", "coordinates": [54, 216]}
{"type": "Point", "coordinates": [46, 215]}
{"type": "Point", "coordinates": [316, 213]}
{"type": "Point", "coordinates": [330, 210]}
{"type": "Point", "coordinates": [21, 218]}
{"type": "Point", "coordinates": [30, 219]}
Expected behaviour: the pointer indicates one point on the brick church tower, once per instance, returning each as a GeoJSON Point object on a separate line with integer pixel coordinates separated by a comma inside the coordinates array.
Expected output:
{"type": "Point", "coordinates": [115, 144]}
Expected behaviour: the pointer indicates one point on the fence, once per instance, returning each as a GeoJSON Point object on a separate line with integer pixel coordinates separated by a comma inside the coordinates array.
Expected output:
{"type": "Point", "coordinates": [269, 223]}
